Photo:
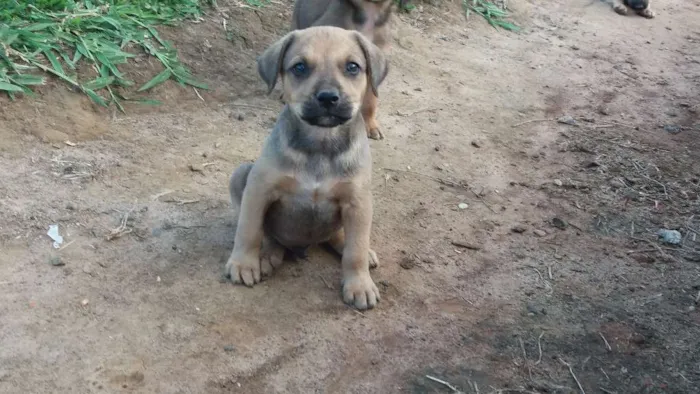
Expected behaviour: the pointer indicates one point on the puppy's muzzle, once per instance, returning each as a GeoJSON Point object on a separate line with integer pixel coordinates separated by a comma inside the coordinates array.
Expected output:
{"type": "Point", "coordinates": [327, 108]}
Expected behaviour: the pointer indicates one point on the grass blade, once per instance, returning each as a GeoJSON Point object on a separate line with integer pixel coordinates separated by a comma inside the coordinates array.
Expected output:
{"type": "Point", "coordinates": [157, 80]}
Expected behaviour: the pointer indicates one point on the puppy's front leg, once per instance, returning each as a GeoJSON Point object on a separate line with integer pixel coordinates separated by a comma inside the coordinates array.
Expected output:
{"type": "Point", "coordinates": [244, 264]}
{"type": "Point", "coordinates": [358, 288]}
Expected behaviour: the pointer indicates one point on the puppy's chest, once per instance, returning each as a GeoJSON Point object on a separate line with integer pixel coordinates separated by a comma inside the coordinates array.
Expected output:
{"type": "Point", "coordinates": [311, 193]}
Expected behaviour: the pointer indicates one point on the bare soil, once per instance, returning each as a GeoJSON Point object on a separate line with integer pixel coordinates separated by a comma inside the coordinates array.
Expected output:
{"type": "Point", "coordinates": [563, 265]}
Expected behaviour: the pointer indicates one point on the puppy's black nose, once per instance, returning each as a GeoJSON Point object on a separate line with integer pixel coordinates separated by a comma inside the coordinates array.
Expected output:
{"type": "Point", "coordinates": [328, 98]}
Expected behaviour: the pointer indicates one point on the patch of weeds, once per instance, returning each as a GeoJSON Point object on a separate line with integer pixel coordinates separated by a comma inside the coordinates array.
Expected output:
{"type": "Point", "coordinates": [496, 16]}
{"type": "Point", "coordinates": [57, 36]}
{"type": "Point", "coordinates": [404, 5]}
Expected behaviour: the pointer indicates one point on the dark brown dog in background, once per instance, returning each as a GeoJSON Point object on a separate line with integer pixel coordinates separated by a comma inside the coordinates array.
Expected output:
{"type": "Point", "coordinates": [369, 17]}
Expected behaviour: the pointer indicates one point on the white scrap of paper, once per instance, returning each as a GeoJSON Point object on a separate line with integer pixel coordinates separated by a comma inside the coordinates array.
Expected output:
{"type": "Point", "coordinates": [57, 238]}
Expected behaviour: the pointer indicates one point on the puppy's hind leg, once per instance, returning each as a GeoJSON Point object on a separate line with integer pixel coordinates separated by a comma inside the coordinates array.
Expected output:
{"type": "Point", "coordinates": [271, 255]}
{"type": "Point", "coordinates": [337, 242]}
{"type": "Point", "coordinates": [369, 113]}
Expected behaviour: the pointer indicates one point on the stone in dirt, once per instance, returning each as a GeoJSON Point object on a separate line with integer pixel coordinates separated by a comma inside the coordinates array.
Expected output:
{"type": "Point", "coordinates": [519, 229]}
{"type": "Point", "coordinates": [567, 119]}
{"type": "Point", "coordinates": [671, 237]}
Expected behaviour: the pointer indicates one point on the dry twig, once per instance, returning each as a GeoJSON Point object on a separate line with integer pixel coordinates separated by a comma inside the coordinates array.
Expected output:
{"type": "Point", "coordinates": [120, 230]}
{"type": "Point", "coordinates": [607, 345]}
{"type": "Point", "coordinates": [573, 375]}
{"type": "Point", "coordinates": [442, 382]}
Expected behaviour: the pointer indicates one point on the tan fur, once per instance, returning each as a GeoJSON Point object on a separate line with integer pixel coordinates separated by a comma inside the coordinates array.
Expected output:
{"type": "Point", "coordinates": [312, 183]}
{"type": "Point", "coordinates": [368, 17]}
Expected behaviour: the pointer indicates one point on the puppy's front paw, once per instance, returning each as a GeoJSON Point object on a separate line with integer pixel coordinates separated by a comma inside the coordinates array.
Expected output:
{"type": "Point", "coordinates": [647, 13]}
{"type": "Point", "coordinates": [375, 134]}
{"type": "Point", "coordinates": [621, 9]}
{"type": "Point", "coordinates": [360, 291]}
{"type": "Point", "coordinates": [245, 270]}
{"type": "Point", "coordinates": [271, 257]}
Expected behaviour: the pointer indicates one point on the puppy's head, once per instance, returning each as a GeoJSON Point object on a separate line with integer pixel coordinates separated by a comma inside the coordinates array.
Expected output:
{"type": "Point", "coordinates": [325, 72]}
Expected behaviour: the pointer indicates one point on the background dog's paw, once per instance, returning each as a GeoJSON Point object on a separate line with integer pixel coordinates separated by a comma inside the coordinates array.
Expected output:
{"type": "Point", "coordinates": [373, 259]}
{"type": "Point", "coordinates": [375, 134]}
{"type": "Point", "coordinates": [245, 271]}
{"type": "Point", "coordinates": [620, 9]}
{"type": "Point", "coordinates": [647, 13]}
{"type": "Point", "coordinates": [360, 292]}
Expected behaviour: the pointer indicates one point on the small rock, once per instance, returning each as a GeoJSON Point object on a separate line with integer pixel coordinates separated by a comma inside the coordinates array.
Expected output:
{"type": "Point", "coordinates": [519, 229]}
{"type": "Point", "coordinates": [56, 261]}
{"type": "Point", "coordinates": [462, 205]}
{"type": "Point", "coordinates": [218, 144]}
{"type": "Point", "coordinates": [637, 339]}
{"type": "Point", "coordinates": [531, 309]}
{"type": "Point", "coordinates": [575, 48]}
{"type": "Point", "coordinates": [558, 182]}
{"type": "Point", "coordinates": [84, 302]}
{"type": "Point", "coordinates": [540, 233]}
{"type": "Point", "coordinates": [407, 263]}
{"type": "Point", "coordinates": [196, 167]}
{"type": "Point", "coordinates": [671, 237]}
{"type": "Point", "coordinates": [604, 110]}
{"type": "Point", "coordinates": [229, 348]}
{"type": "Point", "coordinates": [418, 89]}
{"type": "Point", "coordinates": [476, 144]}
{"type": "Point", "coordinates": [672, 129]}
{"type": "Point", "coordinates": [561, 224]}
{"type": "Point", "coordinates": [567, 119]}
{"type": "Point", "coordinates": [691, 308]}
{"type": "Point", "coordinates": [240, 117]}
{"type": "Point", "coordinates": [70, 207]}
{"type": "Point", "coordinates": [87, 269]}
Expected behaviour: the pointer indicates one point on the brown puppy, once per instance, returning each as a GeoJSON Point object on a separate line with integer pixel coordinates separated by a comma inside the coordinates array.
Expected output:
{"type": "Point", "coordinates": [369, 17]}
{"type": "Point", "coordinates": [312, 182]}
{"type": "Point", "coordinates": [641, 7]}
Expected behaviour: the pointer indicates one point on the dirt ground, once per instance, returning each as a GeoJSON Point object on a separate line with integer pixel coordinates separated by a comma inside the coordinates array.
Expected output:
{"type": "Point", "coordinates": [554, 261]}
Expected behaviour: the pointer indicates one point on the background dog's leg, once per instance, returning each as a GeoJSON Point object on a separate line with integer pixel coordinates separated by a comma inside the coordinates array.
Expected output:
{"type": "Point", "coordinates": [271, 255]}
{"type": "Point", "coordinates": [369, 113]}
{"type": "Point", "coordinates": [337, 242]}
{"type": "Point", "coordinates": [358, 288]}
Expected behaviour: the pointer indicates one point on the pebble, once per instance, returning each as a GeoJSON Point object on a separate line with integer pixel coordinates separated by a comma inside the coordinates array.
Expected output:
{"type": "Point", "coordinates": [519, 229]}
{"type": "Point", "coordinates": [463, 205]}
{"type": "Point", "coordinates": [559, 223]}
{"type": "Point", "coordinates": [558, 182]}
{"type": "Point", "coordinates": [567, 119]}
{"type": "Point", "coordinates": [56, 261]}
{"type": "Point", "coordinates": [196, 167]}
{"type": "Point", "coordinates": [84, 302]}
{"type": "Point", "coordinates": [229, 348]}
{"type": "Point", "coordinates": [407, 263]}
{"type": "Point", "coordinates": [476, 144]}
{"type": "Point", "coordinates": [540, 233]}
{"type": "Point", "coordinates": [672, 129]}
{"type": "Point", "coordinates": [671, 237]}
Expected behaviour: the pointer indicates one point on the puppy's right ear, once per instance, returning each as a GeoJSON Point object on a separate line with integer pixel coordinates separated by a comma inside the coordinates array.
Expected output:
{"type": "Point", "coordinates": [270, 62]}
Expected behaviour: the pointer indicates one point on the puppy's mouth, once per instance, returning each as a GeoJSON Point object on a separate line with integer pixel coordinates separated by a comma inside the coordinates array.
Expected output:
{"type": "Point", "coordinates": [316, 115]}
{"type": "Point", "coordinates": [325, 120]}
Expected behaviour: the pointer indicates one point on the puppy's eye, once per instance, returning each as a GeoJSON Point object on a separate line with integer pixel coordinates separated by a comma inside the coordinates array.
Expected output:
{"type": "Point", "coordinates": [352, 68]}
{"type": "Point", "coordinates": [299, 69]}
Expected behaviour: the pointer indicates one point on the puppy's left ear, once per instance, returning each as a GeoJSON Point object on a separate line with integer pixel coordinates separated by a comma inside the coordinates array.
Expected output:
{"type": "Point", "coordinates": [377, 66]}
{"type": "Point", "coordinates": [270, 62]}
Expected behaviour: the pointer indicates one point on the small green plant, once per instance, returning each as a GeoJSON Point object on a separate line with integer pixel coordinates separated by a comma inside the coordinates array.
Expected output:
{"type": "Point", "coordinates": [58, 36]}
{"type": "Point", "coordinates": [405, 5]}
{"type": "Point", "coordinates": [494, 15]}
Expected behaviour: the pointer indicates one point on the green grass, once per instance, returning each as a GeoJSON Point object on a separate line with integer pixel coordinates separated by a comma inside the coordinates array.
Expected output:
{"type": "Point", "coordinates": [494, 15]}
{"type": "Point", "coordinates": [55, 37]}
